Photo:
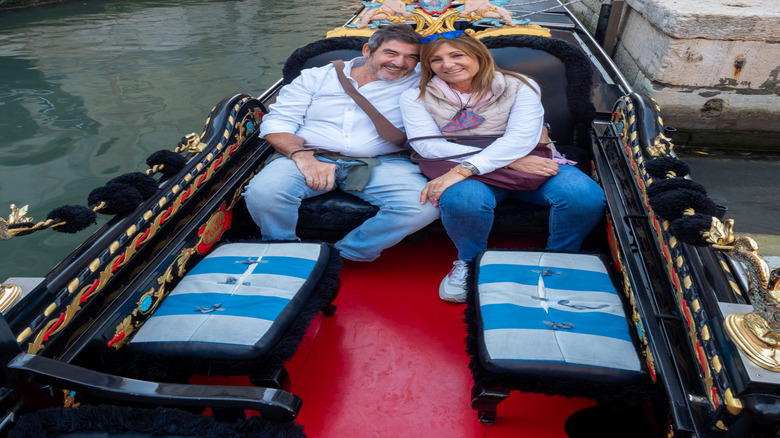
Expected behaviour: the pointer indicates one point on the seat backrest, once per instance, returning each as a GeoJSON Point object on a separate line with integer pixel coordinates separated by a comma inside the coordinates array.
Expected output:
{"type": "Point", "coordinates": [564, 74]}
{"type": "Point", "coordinates": [320, 53]}
{"type": "Point", "coordinates": [562, 71]}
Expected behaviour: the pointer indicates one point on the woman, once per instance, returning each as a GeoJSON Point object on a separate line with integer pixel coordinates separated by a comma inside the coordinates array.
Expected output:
{"type": "Point", "coordinates": [463, 93]}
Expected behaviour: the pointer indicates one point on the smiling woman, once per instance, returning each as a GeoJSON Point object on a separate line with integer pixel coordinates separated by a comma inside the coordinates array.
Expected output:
{"type": "Point", "coordinates": [462, 93]}
{"type": "Point", "coordinates": [456, 67]}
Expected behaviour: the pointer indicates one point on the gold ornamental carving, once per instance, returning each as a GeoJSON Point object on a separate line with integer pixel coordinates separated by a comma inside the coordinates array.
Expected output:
{"type": "Point", "coordinates": [194, 144]}
{"type": "Point", "coordinates": [429, 23]}
{"type": "Point", "coordinates": [756, 333]}
{"type": "Point", "coordinates": [662, 146]}
{"type": "Point", "coordinates": [17, 216]}
{"type": "Point", "coordinates": [9, 295]}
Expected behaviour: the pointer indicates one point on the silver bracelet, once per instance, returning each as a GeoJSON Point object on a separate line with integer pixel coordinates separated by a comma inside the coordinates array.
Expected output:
{"type": "Point", "coordinates": [295, 151]}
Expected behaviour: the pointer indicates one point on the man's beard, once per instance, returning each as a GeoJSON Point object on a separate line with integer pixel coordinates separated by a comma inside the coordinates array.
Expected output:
{"type": "Point", "coordinates": [376, 73]}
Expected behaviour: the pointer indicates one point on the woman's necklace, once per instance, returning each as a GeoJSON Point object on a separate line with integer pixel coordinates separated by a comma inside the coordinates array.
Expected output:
{"type": "Point", "coordinates": [464, 119]}
{"type": "Point", "coordinates": [460, 101]}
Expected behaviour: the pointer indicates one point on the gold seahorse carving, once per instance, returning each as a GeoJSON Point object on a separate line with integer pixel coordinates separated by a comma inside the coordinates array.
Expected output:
{"type": "Point", "coordinates": [756, 333]}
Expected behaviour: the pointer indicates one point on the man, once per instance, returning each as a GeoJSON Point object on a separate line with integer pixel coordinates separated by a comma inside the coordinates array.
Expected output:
{"type": "Point", "coordinates": [314, 111]}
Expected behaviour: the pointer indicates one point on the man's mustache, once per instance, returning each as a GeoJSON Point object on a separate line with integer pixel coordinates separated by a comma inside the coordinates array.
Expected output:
{"type": "Point", "coordinates": [390, 65]}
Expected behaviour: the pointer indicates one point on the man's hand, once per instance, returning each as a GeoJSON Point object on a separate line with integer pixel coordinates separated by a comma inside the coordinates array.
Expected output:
{"type": "Point", "coordinates": [536, 165]}
{"type": "Point", "coordinates": [319, 175]}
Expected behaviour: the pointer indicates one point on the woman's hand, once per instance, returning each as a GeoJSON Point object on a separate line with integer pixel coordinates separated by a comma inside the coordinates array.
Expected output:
{"type": "Point", "coordinates": [536, 165]}
{"type": "Point", "coordinates": [435, 187]}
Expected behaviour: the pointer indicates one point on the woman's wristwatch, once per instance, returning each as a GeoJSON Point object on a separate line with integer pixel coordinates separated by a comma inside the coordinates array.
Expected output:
{"type": "Point", "coordinates": [469, 166]}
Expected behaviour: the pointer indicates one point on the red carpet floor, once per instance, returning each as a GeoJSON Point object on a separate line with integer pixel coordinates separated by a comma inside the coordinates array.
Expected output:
{"type": "Point", "coordinates": [392, 361]}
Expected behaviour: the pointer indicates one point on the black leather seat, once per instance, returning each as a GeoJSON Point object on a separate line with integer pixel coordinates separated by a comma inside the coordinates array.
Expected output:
{"type": "Point", "coordinates": [565, 77]}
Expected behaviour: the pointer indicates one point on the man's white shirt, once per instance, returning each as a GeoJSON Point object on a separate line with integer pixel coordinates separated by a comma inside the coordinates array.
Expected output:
{"type": "Point", "coordinates": [316, 108]}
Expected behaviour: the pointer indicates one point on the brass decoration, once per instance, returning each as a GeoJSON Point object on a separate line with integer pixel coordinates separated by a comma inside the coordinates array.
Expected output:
{"type": "Point", "coordinates": [69, 399]}
{"type": "Point", "coordinates": [4, 234]}
{"type": "Point", "coordinates": [721, 234]}
{"type": "Point", "coordinates": [182, 259]}
{"type": "Point", "coordinates": [9, 295]}
{"type": "Point", "coordinates": [426, 24]}
{"type": "Point", "coordinates": [662, 146]}
{"type": "Point", "coordinates": [194, 144]}
{"type": "Point", "coordinates": [733, 404]}
{"type": "Point", "coordinates": [17, 216]}
{"type": "Point", "coordinates": [526, 29]}
{"type": "Point", "coordinates": [755, 348]}
{"type": "Point", "coordinates": [349, 31]}
{"type": "Point", "coordinates": [757, 333]}
{"type": "Point", "coordinates": [123, 332]}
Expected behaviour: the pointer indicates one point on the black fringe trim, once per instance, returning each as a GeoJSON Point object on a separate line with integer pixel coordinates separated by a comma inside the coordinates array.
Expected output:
{"type": "Point", "coordinates": [579, 76]}
{"type": "Point", "coordinates": [638, 393]}
{"type": "Point", "coordinates": [157, 422]}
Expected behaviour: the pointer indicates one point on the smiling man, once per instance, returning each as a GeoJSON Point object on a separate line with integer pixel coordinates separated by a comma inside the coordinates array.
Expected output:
{"type": "Point", "coordinates": [314, 114]}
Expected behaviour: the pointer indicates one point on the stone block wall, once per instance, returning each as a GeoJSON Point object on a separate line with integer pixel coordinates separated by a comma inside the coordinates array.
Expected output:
{"type": "Point", "coordinates": [713, 65]}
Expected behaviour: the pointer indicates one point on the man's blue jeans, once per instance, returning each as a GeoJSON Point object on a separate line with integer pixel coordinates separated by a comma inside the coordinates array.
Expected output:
{"type": "Point", "coordinates": [274, 195]}
{"type": "Point", "coordinates": [576, 205]}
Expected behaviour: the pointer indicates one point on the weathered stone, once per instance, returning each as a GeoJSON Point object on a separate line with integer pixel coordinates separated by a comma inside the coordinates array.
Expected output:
{"type": "Point", "coordinates": [710, 67]}
{"type": "Point", "coordinates": [746, 20]}
{"type": "Point", "coordinates": [700, 62]}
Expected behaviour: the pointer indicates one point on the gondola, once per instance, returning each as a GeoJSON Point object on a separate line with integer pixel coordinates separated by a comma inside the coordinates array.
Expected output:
{"type": "Point", "coordinates": [368, 349]}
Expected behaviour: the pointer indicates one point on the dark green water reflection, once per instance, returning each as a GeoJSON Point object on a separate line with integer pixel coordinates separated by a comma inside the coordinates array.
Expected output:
{"type": "Point", "coordinates": [89, 90]}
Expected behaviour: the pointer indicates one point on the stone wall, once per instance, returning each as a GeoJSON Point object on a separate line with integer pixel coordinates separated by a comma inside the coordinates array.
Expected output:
{"type": "Point", "coordinates": [713, 66]}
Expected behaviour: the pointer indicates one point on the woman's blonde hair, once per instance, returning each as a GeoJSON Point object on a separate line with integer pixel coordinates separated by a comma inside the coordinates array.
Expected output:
{"type": "Point", "coordinates": [482, 81]}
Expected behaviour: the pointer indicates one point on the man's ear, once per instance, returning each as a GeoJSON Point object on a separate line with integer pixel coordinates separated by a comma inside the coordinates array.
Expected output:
{"type": "Point", "coordinates": [366, 51]}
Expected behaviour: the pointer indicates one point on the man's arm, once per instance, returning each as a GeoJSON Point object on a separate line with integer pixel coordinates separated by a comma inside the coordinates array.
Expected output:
{"type": "Point", "coordinates": [319, 175]}
{"type": "Point", "coordinates": [285, 117]}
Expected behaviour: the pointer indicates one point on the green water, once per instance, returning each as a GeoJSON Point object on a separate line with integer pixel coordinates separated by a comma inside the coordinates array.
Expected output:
{"type": "Point", "coordinates": [88, 90]}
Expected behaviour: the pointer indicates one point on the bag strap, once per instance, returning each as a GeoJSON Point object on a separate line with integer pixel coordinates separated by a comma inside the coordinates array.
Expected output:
{"type": "Point", "coordinates": [384, 128]}
{"type": "Point", "coordinates": [417, 157]}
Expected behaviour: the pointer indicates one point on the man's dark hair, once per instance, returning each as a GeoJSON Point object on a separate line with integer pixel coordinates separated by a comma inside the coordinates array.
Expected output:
{"type": "Point", "coordinates": [399, 32]}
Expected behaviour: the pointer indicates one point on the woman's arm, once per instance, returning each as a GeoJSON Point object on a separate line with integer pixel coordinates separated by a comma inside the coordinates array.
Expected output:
{"type": "Point", "coordinates": [523, 131]}
{"type": "Point", "coordinates": [419, 123]}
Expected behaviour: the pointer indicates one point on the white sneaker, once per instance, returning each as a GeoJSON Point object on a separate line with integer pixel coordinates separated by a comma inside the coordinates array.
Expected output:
{"type": "Point", "coordinates": [453, 287]}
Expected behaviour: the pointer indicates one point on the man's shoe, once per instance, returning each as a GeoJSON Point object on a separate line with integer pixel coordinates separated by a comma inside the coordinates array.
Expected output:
{"type": "Point", "coordinates": [453, 287]}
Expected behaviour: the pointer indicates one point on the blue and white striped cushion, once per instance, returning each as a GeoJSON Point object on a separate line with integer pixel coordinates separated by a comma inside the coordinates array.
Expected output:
{"type": "Point", "coordinates": [235, 303]}
{"type": "Point", "coordinates": [552, 314]}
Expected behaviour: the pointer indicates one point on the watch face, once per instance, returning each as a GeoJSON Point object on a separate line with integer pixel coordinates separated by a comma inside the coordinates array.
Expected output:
{"type": "Point", "coordinates": [469, 166]}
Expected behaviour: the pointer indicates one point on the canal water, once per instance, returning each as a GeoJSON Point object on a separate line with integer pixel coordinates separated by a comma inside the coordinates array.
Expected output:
{"type": "Point", "coordinates": [89, 89]}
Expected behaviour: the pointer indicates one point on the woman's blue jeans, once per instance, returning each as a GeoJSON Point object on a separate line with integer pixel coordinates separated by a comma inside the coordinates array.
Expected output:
{"type": "Point", "coordinates": [576, 205]}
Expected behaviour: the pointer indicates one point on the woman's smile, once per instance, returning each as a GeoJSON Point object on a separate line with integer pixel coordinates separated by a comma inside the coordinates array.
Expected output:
{"type": "Point", "coordinates": [454, 66]}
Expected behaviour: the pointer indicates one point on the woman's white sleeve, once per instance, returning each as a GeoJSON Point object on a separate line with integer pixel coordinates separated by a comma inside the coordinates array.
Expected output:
{"type": "Point", "coordinates": [524, 128]}
{"type": "Point", "coordinates": [419, 123]}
